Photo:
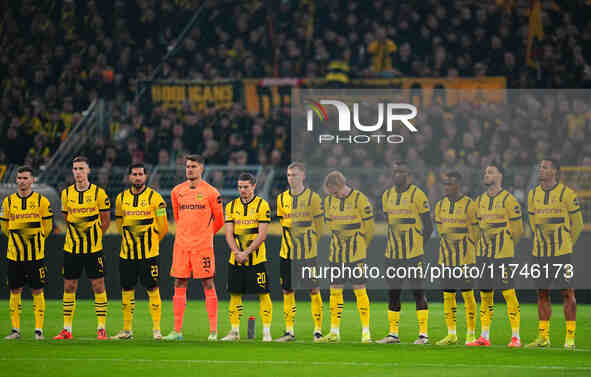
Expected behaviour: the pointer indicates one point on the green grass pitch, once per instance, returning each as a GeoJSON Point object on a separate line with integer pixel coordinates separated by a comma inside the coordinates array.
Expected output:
{"type": "Point", "coordinates": [86, 356]}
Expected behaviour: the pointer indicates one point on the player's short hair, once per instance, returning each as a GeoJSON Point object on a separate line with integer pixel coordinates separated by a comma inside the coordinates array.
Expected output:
{"type": "Point", "coordinates": [555, 163]}
{"type": "Point", "coordinates": [136, 166]}
{"type": "Point", "coordinates": [397, 163]}
{"type": "Point", "coordinates": [81, 159]}
{"type": "Point", "coordinates": [498, 166]}
{"type": "Point", "coordinates": [334, 179]}
{"type": "Point", "coordinates": [195, 158]}
{"type": "Point", "coordinates": [247, 177]}
{"type": "Point", "coordinates": [455, 175]}
{"type": "Point", "coordinates": [297, 165]}
{"type": "Point", "coordinates": [24, 169]}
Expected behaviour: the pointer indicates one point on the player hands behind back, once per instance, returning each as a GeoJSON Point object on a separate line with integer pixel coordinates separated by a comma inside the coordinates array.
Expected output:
{"type": "Point", "coordinates": [198, 213]}
{"type": "Point", "coordinates": [26, 220]}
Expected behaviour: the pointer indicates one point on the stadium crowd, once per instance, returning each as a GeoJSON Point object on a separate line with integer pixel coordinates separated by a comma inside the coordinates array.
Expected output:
{"type": "Point", "coordinates": [60, 55]}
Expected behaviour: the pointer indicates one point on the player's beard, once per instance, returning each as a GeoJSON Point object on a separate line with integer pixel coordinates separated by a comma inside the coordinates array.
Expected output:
{"type": "Point", "coordinates": [488, 183]}
{"type": "Point", "coordinates": [138, 186]}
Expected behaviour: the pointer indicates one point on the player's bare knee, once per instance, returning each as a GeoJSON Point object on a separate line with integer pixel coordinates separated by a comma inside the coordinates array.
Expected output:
{"type": "Point", "coordinates": [98, 285]}
{"type": "Point", "coordinates": [36, 292]}
{"type": "Point", "coordinates": [181, 283]}
{"type": "Point", "coordinates": [70, 286]}
{"type": "Point", "coordinates": [207, 283]}
{"type": "Point", "coordinates": [543, 294]}
{"type": "Point", "coordinates": [287, 291]}
{"type": "Point", "coordinates": [17, 291]}
{"type": "Point", "coordinates": [314, 291]}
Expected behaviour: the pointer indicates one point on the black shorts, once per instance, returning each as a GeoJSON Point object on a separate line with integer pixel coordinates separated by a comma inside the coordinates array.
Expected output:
{"type": "Point", "coordinates": [248, 279]}
{"type": "Point", "coordinates": [147, 270]}
{"type": "Point", "coordinates": [297, 274]}
{"type": "Point", "coordinates": [74, 264]}
{"type": "Point", "coordinates": [560, 274]}
{"type": "Point", "coordinates": [352, 272]}
{"type": "Point", "coordinates": [458, 278]}
{"type": "Point", "coordinates": [412, 268]}
{"type": "Point", "coordinates": [33, 273]}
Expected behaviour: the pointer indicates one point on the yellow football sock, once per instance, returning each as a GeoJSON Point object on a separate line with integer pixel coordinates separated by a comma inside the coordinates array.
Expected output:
{"type": "Point", "coordinates": [363, 306]}
{"type": "Point", "coordinates": [544, 329]}
{"type": "Point", "coordinates": [394, 321]}
{"type": "Point", "coordinates": [336, 307]}
{"type": "Point", "coordinates": [69, 309]}
{"type": "Point", "coordinates": [449, 309]}
{"type": "Point", "coordinates": [235, 310]}
{"type": "Point", "coordinates": [316, 299]}
{"type": "Point", "coordinates": [571, 328]}
{"type": "Point", "coordinates": [128, 306]}
{"type": "Point", "coordinates": [486, 309]}
{"type": "Point", "coordinates": [39, 310]}
{"type": "Point", "coordinates": [513, 310]}
{"type": "Point", "coordinates": [423, 318]}
{"type": "Point", "coordinates": [155, 307]}
{"type": "Point", "coordinates": [266, 310]}
{"type": "Point", "coordinates": [470, 308]}
{"type": "Point", "coordinates": [100, 308]}
{"type": "Point", "coordinates": [289, 310]}
{"type": "Point", "coordinates": [15, 305]}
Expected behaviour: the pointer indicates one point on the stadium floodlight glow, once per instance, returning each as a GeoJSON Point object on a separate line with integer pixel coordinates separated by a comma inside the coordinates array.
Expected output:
{"type": "Point", "coordinates": [345, 116]}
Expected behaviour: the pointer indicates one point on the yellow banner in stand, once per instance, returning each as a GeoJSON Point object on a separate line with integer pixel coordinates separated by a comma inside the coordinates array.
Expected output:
{"type": "Point", "coordinates": [262, 95]}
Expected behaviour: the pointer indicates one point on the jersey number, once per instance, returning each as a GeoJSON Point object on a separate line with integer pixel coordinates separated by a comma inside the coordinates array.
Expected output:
{"type": "Point", "coordinates": [154, 271]}
{"type": "Point", "coordinates": [42, 273]}
{"type": "Point", "coordinates": [206, 263]}
{"type": "Point", "coordinates": [100, 264]}
{"type": "Point", "coordinates": [261, 278]}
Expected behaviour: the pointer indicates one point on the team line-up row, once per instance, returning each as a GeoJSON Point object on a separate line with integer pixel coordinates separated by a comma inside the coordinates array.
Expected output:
{"type": "Point", "coordinates": [470, 230]}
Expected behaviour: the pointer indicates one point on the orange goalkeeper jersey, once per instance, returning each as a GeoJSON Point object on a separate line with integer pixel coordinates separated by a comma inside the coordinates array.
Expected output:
{"type": "Point", "coordinates": [198, 214]}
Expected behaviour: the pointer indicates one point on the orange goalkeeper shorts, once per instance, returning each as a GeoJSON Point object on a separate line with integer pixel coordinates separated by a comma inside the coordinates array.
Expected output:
{"type": "Point", "coordinates": [201, 264]}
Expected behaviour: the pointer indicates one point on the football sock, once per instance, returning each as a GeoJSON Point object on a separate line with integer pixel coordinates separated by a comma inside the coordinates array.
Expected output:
{"type": "Point", "coordinates": [211, 304]}
{"type": "Point", "coordinates": [100, 308]}
{"type": "Point", "coordinates": [39, 309]}
{"type": "Point", "coordinates": [571, 328]}
{"type": "Point", "coordinates": [449, 309]}
{"type": "Point", "coordinates": [423, 318]}
{"type": "Point", "coordinates": [128, 306]}
{"type": "Point", "coordinates": [513, 310]}
{"type": "Point", "coordinates": [179, 302]}
{"type": "Point", "coordinates": [69, 309]}
{"type": "Point", "coordinates": [289, 310]}
{"type": "Point", "coordinates": [363, 306]}
{"type": "Point", "coordinates": [235, 311]}
{"type": "Point", "coordinates": [544, 329]}
{"type": "Point", "coordinates": [266, 309]}
{"type": "Point", "coordinates": [336, 307]}
{"type": "Point", "coordinates": [15, 306]}
{"type": "Point", "coordinates": [470, 308]}
{"type": "Point", "coordinates": [316, 299]}
{"type": "Point", "coordinates": [155, 303]}
{"type": "Point", "coordinates": [486, 311]}
{"type": "Point", "coordinates": [394, 321]}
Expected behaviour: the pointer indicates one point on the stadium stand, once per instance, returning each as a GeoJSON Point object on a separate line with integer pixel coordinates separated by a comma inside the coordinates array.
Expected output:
{"type": "Point", "coordinates": [59, 56]}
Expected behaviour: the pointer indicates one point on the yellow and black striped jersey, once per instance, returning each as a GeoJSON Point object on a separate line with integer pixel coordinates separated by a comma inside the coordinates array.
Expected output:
{"type": "Point", "coordinates": [351, 225]}
{"type": "Point", "coordinates": [301, 220]}
{"type": "Point", "coordinates": [140, 220]}
{"type": "Point", "coordinates": [405, 228]}
{"type": "Point", "coordinates": [26, 222]}
{"type": "Point", "coordinates": [81, 210]}
{"type": "Point", "coordinates": [457, 227]}
{"type": "Point", "coordinates": [501, 225]}
{"type": "Point", "coordinates": [554, 216]}
{"type": "Point", "coordinates": [246, 218]}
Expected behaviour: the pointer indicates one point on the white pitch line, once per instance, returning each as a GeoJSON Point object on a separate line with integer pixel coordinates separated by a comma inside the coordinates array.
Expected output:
{"type": "Point", "coordinates": [311, 342]}
{"type": "Point", "coordinates": [314, 363]}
